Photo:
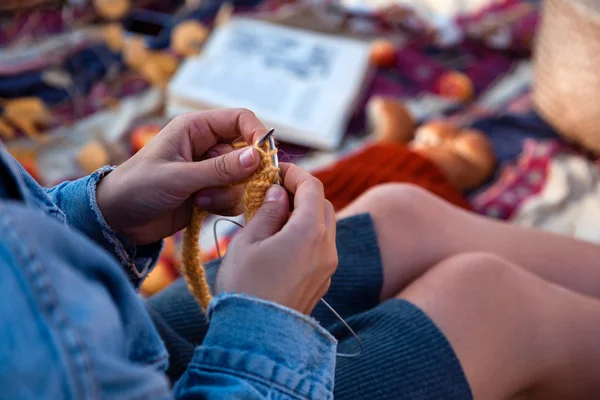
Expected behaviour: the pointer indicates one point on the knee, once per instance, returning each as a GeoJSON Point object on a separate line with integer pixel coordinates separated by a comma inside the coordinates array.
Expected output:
{"type": "Point", "coordinates": [395, 194]}
{"type": "Point", "coordinates": [409, 207]}
{"type": "Point", "coordinates": [395, 199]}
{"type": "Point", "coordinates": [467, 269]}
{"type": "Point", "coordinates": [469, 293]}
{"type": "Point", "coordinates": [466, 279]}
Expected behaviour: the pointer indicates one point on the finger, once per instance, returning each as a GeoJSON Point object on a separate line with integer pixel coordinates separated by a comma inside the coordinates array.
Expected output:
{"type": "Point", "coordinates": [217, 172]}
{"type": "Point", "coordinates": [270, 217]}
{"type": "Point", "coordinates": [221, 201]}
{"type": "Point", "coordinates": [219, 150]}
{"type": "Point", "coordinates": [293, 176]}
{"type": "Point", "coordinates": [309, 197]}
{"type": "Point", "coordinates": [182, 215]}
{"type": "Point", "coordinates": [330, 221]}
{"type": "Point", "coordinates": [207, 128]}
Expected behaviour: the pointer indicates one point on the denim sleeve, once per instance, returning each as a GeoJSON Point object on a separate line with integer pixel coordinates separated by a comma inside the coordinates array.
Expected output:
{"type": "Point", "coordinates": [77, 200]}
{"type": "Point", "coordinates": [72, 325]}
{"type": "Point", "coordinates": [255, 349]}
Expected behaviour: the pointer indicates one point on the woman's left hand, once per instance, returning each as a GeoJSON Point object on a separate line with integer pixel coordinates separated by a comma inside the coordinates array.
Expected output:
{"type": "Point", "coordinates": [189, 163]}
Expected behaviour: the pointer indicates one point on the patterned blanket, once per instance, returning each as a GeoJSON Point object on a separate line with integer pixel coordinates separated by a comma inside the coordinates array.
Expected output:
{"type": "Point", "coordinates": [540, 180]}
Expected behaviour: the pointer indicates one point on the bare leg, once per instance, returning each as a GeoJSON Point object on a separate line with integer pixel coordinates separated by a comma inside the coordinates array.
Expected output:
{"type": "Point", "coordinates": [417, 230]}
{"type": "Point", "coordinates": [516, 335]}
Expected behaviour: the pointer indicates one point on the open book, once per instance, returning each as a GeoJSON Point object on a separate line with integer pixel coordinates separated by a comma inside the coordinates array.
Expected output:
{"type": "Point", "coordinates": [304, 84]}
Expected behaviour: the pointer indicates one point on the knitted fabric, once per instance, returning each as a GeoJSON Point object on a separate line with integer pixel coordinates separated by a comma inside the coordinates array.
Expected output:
{"type": "Point", "coordinates": [257, 186]}
{"type": "Point", "coordinates": [254, 194]}
{"type": "Point", "coordinates": [385, 163]}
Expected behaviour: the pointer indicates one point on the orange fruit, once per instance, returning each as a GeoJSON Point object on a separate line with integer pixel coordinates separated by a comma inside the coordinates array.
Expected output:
{"type": "Point", "coordinates": [383, 53]}
{"type": "Point", "coordinates": [456, 85]}
{"type": "Point", "coordinates": [142, 135]}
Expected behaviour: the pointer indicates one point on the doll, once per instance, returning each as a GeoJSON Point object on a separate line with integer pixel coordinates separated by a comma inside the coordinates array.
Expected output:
{"type": "Point", "coordinates": [464, 155]}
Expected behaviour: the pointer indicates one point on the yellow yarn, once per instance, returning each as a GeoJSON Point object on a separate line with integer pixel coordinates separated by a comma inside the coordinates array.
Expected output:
{"type": "Point", "coordinates": [258, 184]}
{"type": "Point", "coordinates": [254, 194]}
{"type": "Point", "coordinates": [192, 268]}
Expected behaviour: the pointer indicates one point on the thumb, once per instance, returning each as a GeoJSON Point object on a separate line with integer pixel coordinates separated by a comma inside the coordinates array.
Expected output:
{"type": "Point", "coordinates": [270, 217]}
{"type": "Point", "coordinates": [222, 170]}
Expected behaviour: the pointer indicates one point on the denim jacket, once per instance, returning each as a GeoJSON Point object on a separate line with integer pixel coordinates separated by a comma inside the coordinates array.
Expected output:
{"type": "Point", "coordinates": [73, 327]}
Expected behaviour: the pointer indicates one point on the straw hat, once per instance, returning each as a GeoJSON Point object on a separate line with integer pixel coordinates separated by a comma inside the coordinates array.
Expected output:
{"type": "Point", "coordinates": [566, 90]}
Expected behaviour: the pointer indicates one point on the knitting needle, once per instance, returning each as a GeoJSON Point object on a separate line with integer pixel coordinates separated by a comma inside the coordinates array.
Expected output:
{"type": "Point", "coordinates": [269, 137]}
{"type": "Point", "coordinates": [275, 157]}
{"type": "Point", "coordinates": [264, 139]}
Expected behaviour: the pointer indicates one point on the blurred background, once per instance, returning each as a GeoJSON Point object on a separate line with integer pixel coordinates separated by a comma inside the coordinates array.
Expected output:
{"type": "Point", "coordinates": [491, 105]}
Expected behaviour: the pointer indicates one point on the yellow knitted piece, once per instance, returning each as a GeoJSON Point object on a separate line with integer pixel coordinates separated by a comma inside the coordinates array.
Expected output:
{"type": "Point", "coordinates": [254, 195]}
{"type": "Point", "coordinates": [191, 260]}
{"type": "Point", "coordinates": [258, 184]}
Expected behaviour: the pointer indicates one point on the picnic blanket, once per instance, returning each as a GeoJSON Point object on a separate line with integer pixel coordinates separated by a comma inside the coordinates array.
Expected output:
{"type": "Point", "coordinates": [540, 180]}
{"type": "Point", "coordinates": [96, 72]}
{"type": "Point", "coordinates": [551, 187]}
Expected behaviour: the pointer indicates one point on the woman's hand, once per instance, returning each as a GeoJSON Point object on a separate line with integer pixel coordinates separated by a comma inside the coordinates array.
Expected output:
{"type": "Point", "coordinates": [190, 162]}
{"type": "Point", "coordinates": [287, 259]}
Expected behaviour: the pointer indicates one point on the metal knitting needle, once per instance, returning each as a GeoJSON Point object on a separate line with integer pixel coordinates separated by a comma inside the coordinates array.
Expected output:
{"type": "Point", "coordinates": [264, 139]}
{"type": "Point", "coordinates": [272, 147]}
{"type": "Point", "coordinates": [269, 137]}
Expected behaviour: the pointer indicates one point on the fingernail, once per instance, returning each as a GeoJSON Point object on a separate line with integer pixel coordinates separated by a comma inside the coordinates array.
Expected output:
{"type": "Point", "coordinates": [203, 202]}
{"type": "Point", "coordinates": [247, 158]}
{"type": "Point", "coordinates": [274, 193]}
{"type": "Point", "coordinates": [212, 154]}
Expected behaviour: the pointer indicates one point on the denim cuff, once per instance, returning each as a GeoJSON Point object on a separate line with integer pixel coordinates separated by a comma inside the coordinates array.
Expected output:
{"type": "Point", "coordinates": [138, 261]}
{"type": "Point", "coordinates": [78, 201]}
{"type": "Point", "coordinates": [275, 344]}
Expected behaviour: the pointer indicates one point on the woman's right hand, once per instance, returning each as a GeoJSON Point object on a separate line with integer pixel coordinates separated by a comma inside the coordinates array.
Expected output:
{"type": "Point", "coordinates": [281, 257]}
